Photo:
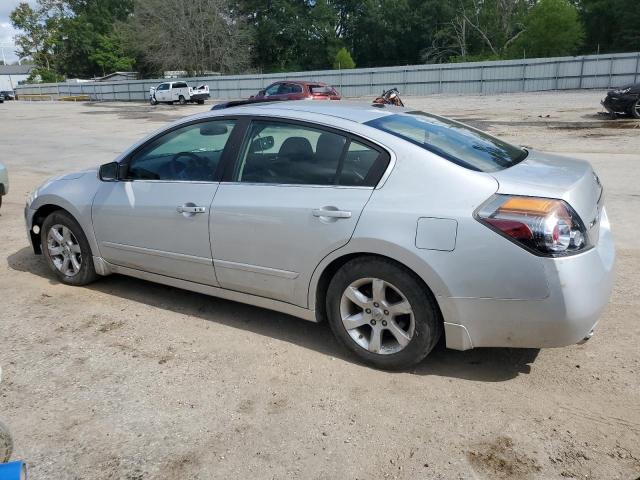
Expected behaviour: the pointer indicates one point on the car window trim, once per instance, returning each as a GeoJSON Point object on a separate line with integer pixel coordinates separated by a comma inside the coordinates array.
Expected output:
{"type": "Point", "coordinates": [227, 178]}
{"type": "Point", "coordinates": [226, 152]}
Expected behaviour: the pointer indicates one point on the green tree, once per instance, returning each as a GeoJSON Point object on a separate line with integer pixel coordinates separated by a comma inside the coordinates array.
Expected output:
{"type": "Point", "coordinates": [552, 28]}
{"type": "Point", "coordinates": [343, 60]}
{"type": "Point", "coordinates": [38, 29]}
{"type": "Point", "coordinates": [82, 33]}
{"type": "Point", "coordinates": [393, 32]}
{"type": "Point", "coordinates": [611, 25]}
{"type": "Point", "coordinates": [110, 55]}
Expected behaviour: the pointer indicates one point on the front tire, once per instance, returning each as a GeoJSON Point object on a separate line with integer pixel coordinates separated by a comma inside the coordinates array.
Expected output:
{"type": "Point", "coordinates": [66, 249]}
{"type": "Point", "coordinates": [153, 101]}
{"type": "Point", "coordinates": [383, 313]}
{"type": "Point", "coordinates": [635, 109]}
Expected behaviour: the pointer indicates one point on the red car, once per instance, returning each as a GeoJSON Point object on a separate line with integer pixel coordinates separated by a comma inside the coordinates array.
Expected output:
{"type": "Point", "coordinates": [294, 90]}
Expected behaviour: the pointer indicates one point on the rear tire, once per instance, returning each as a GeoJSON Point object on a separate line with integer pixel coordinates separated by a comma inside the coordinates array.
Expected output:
{"type": "Point", "coordinates": [200, 102]}
{"type": "Point", "coordinates": [635, 109]}
{"type": "Point", "coordinates": [181, 100]}
{"type": "Point", "coordinates": [392, 317]}
{"type": "Point", "coordinates": [66, 249]}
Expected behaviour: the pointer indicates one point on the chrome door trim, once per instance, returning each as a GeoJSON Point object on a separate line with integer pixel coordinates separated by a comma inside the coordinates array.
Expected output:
{"type": "Point", "coordinates": [262, 302]}
{"type": "Point", "coordinates": [159, 253]}
{"type": "Point", "coordinates": [299, 185]}
{"type": "Point", "coordinates": [255, 269]}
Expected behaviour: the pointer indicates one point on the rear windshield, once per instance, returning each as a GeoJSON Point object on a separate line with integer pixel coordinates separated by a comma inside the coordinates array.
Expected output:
{"type": "Point", "coordinates": [452, 140]}
{"type": "Point", "coordinates": [321, 89]}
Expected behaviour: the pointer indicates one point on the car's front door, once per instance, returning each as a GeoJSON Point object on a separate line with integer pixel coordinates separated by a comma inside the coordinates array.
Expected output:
{"type": "Point", "coordinates": [161, 92]}
{"type": "Point", "coordinates": [294, 195]}
{"type": "Point", "coordinates": [156, 218]}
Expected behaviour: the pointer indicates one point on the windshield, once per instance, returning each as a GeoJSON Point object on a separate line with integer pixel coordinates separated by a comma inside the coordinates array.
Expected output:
{"type": "Point", "coordinates": [452, 140]}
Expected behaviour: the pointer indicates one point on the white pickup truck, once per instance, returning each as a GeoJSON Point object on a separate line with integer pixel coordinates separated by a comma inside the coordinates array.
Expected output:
{"type": "Point", "coordinates": [181, 92]}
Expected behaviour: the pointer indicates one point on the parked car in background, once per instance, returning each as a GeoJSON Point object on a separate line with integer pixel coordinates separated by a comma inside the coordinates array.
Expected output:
{"type": "Point", "coordinates": [4, 182]}
{"type": "Point", "coordinates": [8, 94]}
{"type": "Point", "coordinates": [181, 92]}
{"type": "Point", "coordinates": [624, 100]}
{"type": "Point", "coordinates": [1, 98]}
{"type": "Point", "coordinates": [298, 90]}
{"type": "Point", "coordinates": [395, 225]}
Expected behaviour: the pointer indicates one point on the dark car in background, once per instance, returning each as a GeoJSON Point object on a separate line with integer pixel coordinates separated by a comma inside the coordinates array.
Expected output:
{"type": "Point", "coordinates": [624, 100]}
{"type": "Point", "coordinates": [8, 94]}
{"type": "Point", "coordinates": [298, 90]}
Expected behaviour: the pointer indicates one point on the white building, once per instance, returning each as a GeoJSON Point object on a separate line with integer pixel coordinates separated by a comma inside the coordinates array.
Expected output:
{"type": "Point", "coordinates": [11, 75]}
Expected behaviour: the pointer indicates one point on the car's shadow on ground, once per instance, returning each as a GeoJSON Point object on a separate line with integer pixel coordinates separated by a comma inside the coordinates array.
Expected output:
{"type": "Point", "coordinates": [484, 364]}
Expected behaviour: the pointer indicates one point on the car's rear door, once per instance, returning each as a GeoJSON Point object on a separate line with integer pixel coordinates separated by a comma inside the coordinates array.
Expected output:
{"type": "Point", "coordinates": [156, 218]}
{"type": "Point", "coordinates": [294, 195]}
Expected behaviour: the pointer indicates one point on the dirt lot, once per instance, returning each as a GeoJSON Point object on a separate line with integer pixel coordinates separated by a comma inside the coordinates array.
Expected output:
{"type": "Point", "coordinates": [130, 380]}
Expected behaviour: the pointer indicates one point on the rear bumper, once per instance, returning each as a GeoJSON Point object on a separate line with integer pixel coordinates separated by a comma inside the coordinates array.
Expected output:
{"type": "Point", "coordinates": [199, 96]}
{"type": "Point", "coordinates": [579, 289]}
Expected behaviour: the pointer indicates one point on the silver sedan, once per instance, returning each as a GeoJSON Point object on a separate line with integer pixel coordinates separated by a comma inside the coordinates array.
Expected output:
{"type": "Point", "coordinates": [396, 226]}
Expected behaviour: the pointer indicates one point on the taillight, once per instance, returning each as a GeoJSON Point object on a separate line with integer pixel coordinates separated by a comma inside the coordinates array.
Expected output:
{"type": "Point", "coordinates": [545, 226]}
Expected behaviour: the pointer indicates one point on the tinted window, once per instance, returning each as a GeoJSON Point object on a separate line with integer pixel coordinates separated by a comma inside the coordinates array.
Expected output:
{"type": "Point", "coordinates": [163, 86]}
{"type": "Point", "coordinates": [190, 153]}
{"type": "Point", "coordinates": [180, 85]}
{"type": "Point", "coordinates": [272, 90]}
{"type": "Point", "coordinates": [293, 88]}
{"type": "Point", "coordinates": [281, 153]}
{"type": "Point", "coordinates": [359, 164]}
{"type": "Point", "coordinates": [452, 140]}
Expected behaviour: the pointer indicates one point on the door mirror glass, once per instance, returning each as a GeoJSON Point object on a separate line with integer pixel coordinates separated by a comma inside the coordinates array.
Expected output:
{"type": "Point", "coordinates": [261, 144]}
{"type": "Point", "coordinates": [261, 92]}
{"type": "Point", "coordinates": [109, 172]}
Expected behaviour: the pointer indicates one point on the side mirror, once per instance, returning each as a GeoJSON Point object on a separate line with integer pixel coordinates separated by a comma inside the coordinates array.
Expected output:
{"type": "Point", "coordinates": [261, 144]}
{"type": "Point", "coordinates": [109, 172]}
{"type": "Point", "coordinates": [261, 92]}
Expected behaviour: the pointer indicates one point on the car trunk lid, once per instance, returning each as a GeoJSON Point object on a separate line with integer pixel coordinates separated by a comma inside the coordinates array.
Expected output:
{"type": "Point", "coordinates": [554, 176]}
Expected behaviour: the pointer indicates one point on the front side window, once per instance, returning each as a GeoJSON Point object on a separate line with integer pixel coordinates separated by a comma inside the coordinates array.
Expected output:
{"type": "Point", "coordinates": [190, 153]}
{"type": "Point", "coordinates": [452, 140]}
{"type": "Point", "coordinates": [283, 153]}
{"type": "Point", "coordinates": [273, 89]}
{"type": "Point", "coordinates": [163, 86]}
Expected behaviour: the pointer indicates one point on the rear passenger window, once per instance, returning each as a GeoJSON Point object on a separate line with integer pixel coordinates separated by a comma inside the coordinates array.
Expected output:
{"type": "Point", "coordinates": [282, 153]}
{"type": "Point", "coordinates": [359, 164]}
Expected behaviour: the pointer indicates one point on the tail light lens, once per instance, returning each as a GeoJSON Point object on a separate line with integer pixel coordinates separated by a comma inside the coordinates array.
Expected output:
{"type": "Point", "coordinates": [545, 226]}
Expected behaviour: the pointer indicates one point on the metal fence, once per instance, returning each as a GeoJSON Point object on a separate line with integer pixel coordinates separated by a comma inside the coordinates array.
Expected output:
{"type": "Point", "coordinates": [563, 73]}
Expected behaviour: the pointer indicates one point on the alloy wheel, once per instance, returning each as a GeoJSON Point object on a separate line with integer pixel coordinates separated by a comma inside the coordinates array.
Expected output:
{"type": "Point", "coordinates": [377, 316]}
{"type": "Point", "coordinates": [64, 250]}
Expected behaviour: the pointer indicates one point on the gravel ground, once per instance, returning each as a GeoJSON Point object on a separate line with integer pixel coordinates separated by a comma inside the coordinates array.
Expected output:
{"type": "Point", "coordinates": [126, 379]}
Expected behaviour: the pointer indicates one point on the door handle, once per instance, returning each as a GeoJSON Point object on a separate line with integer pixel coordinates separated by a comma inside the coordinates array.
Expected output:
{"type": "Point", "coordinates": [331, 213]}
{"type": "Point", "coordinates": [191, 209]}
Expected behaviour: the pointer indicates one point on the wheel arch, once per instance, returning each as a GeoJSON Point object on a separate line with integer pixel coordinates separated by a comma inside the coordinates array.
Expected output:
{"type": "Point", "coordinates": [330, 265]}
{"type": "Point", "coordinates": [45, 209]}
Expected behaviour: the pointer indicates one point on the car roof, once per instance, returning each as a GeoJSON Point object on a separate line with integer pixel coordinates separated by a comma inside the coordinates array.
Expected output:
{"type": "Point", "coordinates": [359, 112]}
{"type": "Point", "coordinates": [301, 82]}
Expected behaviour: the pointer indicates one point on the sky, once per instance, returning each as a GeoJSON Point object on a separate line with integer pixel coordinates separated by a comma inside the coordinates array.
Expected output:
{"type": "Point", "coordinates": [6, 30]}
